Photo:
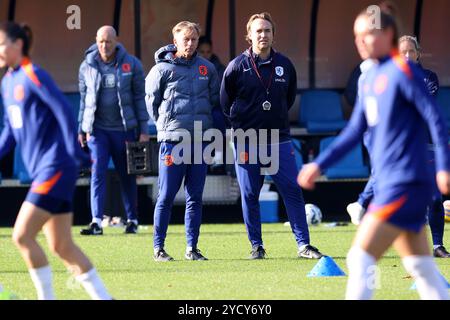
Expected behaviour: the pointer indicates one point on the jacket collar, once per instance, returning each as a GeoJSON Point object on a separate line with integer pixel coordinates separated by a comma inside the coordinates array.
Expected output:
{"type": "Point", "coordinates": [249, 53]}
{"type": "Point", "coordinates": [167, 54]}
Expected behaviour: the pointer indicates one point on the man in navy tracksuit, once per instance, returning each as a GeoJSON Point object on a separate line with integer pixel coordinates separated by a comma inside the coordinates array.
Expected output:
{"type": "Point", "coordinates": [112, 112]}
{"type": "Point", "coordinates": [258, 89]}
{"type": "Point", "coordinates": [181, 91]}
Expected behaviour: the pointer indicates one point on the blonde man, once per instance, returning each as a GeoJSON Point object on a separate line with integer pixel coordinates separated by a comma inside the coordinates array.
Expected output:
{"type": "Point", "coordinates": [180, 89]}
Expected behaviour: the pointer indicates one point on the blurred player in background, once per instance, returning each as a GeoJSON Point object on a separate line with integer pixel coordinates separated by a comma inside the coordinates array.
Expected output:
{"type": "Point", "coordinates": [357, 209]}
{"type": "Point", "coordinates": [410, 49]}
{"type": "Point", "coordinates": [395, 104]}
{"type": "Point", "coordinates": [39, 120]}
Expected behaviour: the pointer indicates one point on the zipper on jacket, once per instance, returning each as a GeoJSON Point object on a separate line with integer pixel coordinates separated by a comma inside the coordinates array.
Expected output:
{"type": "Point", "coordinates": [193, 96]}
{"type": "Point", "coordinates": [170, 110]}
{"type": "Point", "coordinates": [124, 121]}
{"type": "Point", "coordinates": [97, 89]}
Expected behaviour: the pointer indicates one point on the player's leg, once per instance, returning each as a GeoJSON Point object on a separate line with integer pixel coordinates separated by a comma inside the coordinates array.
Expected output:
{"type": "Point", "coordinates": [356, 210]}
{"type": "Point", "coordinates": [99, 149]}
{"type": "Point", "coordinates": [129, 187]}
{"type": "Point", "coordinates": [250, 182]}
{"type": "Point", "coordinates": [285, 180]}
{"type": "Point", "coordinates": [194, 184]}
{"type": "Point", "coordinates": [59, 237]}
{"type": "Point", "coordinates": [169, 181]}
{"type": "Point", "coordinates": [373, 238]}
{"type": "Point", "coordinates": [436, 215]}
{"type": "Point", "coordinates": [28, 224]}
{"type": "Point", "coordinates": [366, 196]}
{"type": "Point", "coordinates": [398, 210]}
{"type": "Point", "coordinates": [416, 258]}
{"type": "Point", "coordinates": [436, 219]}
{"type": "Point", "coordinates": [57, 231]}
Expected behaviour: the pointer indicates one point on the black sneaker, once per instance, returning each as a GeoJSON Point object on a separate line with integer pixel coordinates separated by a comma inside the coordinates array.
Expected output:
{"type": "Point", "coordinates": [310, 252]}
{"type": "Point", "coordinates": [92, 230]}
{"type": "Point", "coordinates": [258, 253]}
{"type": "Point", "coordinates": [131, 228]}
{"type": "Point", "coordinates": [162, 256]}
{"type": "Point", "coordinates": [194, 255]}
{"type": "Point", "coordinates": [441, 252]}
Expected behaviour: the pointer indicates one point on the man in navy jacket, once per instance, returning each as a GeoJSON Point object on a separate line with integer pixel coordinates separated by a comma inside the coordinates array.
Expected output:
{"type": "Point", "coordinates": [258, 89]}
{"type": "Point", "coordinates": [182, 90]}
{"type": "Point", "coordinates": [112, 112]}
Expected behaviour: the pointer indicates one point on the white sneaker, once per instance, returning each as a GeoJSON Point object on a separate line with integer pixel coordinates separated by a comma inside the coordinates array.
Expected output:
{"type": "Point", "coordinates": [106, 222]}
{"type": "Point", "coordinates": [356, 212]}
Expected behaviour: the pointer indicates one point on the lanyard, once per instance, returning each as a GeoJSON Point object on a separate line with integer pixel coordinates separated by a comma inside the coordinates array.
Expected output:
{"type": "Point", "coordinates": [269, 84]}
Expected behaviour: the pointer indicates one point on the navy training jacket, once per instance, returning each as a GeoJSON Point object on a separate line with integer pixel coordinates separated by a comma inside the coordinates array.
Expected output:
{"type": "Point", "coordinates": [242, 93]}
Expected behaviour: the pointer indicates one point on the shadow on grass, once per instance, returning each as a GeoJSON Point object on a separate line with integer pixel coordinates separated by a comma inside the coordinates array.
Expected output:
{"type": "Point", "coordinates": [232, 233]}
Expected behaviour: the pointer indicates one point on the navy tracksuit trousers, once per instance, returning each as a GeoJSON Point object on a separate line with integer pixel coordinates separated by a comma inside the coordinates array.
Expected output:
{"type": "Point", "coordinates": [251, 181]}
{"type": "Point", "coordinates": [170, 178]}
{"type": "Point", "coordinates": [104, 144]}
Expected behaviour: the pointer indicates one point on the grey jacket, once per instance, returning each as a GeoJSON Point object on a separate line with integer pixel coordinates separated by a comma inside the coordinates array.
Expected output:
{"type": "Point", "coordinates": [131, 91]}
{"type": "Point", "coordinates": [179, 92]}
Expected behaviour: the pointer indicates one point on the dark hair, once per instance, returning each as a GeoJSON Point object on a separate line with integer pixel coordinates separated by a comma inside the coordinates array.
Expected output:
{"type": "Point", "coordinates": [386, 21]}
{"type": "Point", "coordinates": [204, 40]}
{"type": "Point", "coordinates": [389, 21]}
{"type": "Point", "coordinates": [15, 31]}
{"type": "Point", "coordinates": [389, 7]}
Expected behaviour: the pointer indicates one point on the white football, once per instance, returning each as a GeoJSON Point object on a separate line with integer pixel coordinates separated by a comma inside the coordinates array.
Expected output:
{"type": "Point", "coordinates": [313, 214]}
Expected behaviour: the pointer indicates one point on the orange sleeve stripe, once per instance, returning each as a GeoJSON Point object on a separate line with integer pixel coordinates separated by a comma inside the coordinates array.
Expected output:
{"type": "Point", "coordinates": [385, 212]}
{"type": "Point", "coordinates": [401, 64]}
{"type": "Point", "coordinates": [28, 68]}
{"type": "Point", "coordinates": [45, 187]}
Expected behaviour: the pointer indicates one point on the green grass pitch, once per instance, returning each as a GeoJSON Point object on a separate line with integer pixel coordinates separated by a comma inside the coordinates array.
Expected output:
{"type": "Point", "coordinates": [125, 264]}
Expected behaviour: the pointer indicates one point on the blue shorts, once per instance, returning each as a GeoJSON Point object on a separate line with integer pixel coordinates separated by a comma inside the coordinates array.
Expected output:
{"type": "Point", "coordinates": [53, 188]}
{"type": "Point", "coordinates": [404, 206]}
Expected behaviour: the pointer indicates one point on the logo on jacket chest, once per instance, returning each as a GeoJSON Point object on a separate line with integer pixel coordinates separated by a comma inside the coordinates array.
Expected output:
{"type": "Point", "coordinates": [126, 67]}
{"type": "Point", "coordinates": [203, 70]}
{"type": "Point", "coordinates": [279, 71]}
{"type": "Point", "coordinates": [126, 70]}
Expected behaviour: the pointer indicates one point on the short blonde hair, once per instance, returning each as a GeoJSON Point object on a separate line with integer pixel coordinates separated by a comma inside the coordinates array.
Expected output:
{"type": "Point", "coordinates": [265, 16]}
{"type": "Point", "coordinates": [411, 39]}
{"type": "Point", "coordinates": [186, 25]}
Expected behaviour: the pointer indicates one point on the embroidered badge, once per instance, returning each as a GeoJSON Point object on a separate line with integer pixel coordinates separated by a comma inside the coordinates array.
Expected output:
{"type": "Point", "coordinates": [203, 70]}
{"type": "Point", "coordinates": [126, 67]}
{"type": "Point", "coordinates": [279, 71]}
